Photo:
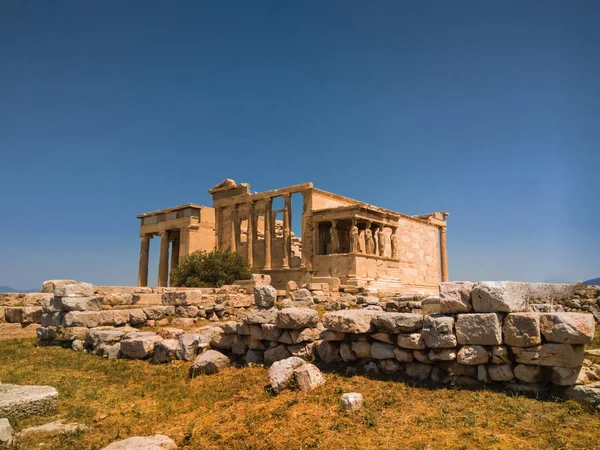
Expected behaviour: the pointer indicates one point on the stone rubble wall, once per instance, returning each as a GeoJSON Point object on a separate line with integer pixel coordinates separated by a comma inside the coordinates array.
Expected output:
{"type": "Point", "coordinates": [476, 334]}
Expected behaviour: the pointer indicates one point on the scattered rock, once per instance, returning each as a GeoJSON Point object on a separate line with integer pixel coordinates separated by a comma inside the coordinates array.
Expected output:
{"type": "Point", "coordinates": [265, 296]}
{"type": "Point", "coordinates": [57, 427]}
{"type": "Point", "coordinates": [156, 442]}
{"type": "Point", "coordinates": [7, 434]}
{"type": "Point", "coordinates": [209, 363]}
{"type": "Point", "coordinates": [589, 394]}
{"type": "Point", "coordinates": [351, 402]}
{"type": "Point", "coordinates": [139, 345]}
{"type": "Point", "coordinates": [282, 372]}
{"type": "Point", "coordinates": [308, 377]}
{"type": "Point", "coordinates": [165, 351]}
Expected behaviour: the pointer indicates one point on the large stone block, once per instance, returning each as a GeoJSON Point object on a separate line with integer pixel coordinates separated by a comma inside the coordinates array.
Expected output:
{"type": "Point", "coordinates": [500, 372]}
{"type": "Point", "coordinates": [528, 373]}
{"type": "Point", "coordinates": [282, 372]}
{"type": "Point", "coordinates": [165, 351]}
{"type": "Point", "coordinates": [379, 350]}
{"type": "Point", "coordinates": [500, 296]}
{"type": "Point", "coordinates": [478, 329]}
{"type": "Point", "coordinates": [349, 321]}
{"type": "Point", "coordinates": [89, 319]}
{"type": "Point", "coordinates": [413, 341]}
{"type": "Point", "coordinates": [50, 285]}
{"type": "Point", "coordinates": [560, 355]}
{"type": "Point", "coordinates": [437, 332]}
{"type": "Point", "coordinates": [362, 349]}
{"type": "Point", "coordinates": [79, 303]}
{"type": "Point", "coordinates": [94, 338]}
{"type": "Point", "coordinates": [276, 353]}
{"type": "Point", "coordinates": [568, 328]}
{"type": "Point", "coordinates": [19, 402]}
{"type": "Point", "coordinates": [455, 297]}
{"type": "Point", "coordinates": [113, 318]}
{"type": "Point", "coordinates": [188, 346]}
{"type": "Point", "coordinates": [522, 329]}
{"type": "Point", "coordinates": [156, 442]}
{"type": "Point", "coordinates": [328, 351]}
{"type": "Point", "coordinates": [139, 345]}
{"type": "Point", "coordinates": [564, 376]}
{"type": "Point", "coordinates": [296, 318]}
{"type": "Point", "coordinates": [398, 322]}
{"type": "Point", "coordinates": [74, 290]}
{"type": "Point", "coordinates": [159, 312]}
{"type": "Point", "coordinates": [472, 355]}
{"type": "Point", "coordinates": [589, 394]}
{"type": "Point", "coordinates": [308, 377]}
{"type": "Point", "coordinates": [265, 296]}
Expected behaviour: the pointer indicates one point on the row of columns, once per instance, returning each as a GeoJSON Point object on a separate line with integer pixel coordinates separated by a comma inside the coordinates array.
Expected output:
{"type": "Point", "coordinates": [163, 260]}
{"type": "Point", "coordinates": [268, 231]}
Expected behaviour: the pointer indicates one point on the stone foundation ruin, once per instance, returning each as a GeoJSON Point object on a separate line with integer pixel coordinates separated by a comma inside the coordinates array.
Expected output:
{"type": "Point", "coordinates": [505, 334]}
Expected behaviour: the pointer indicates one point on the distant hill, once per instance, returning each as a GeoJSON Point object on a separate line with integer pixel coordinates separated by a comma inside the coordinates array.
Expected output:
{"type": "Point", "coordinates": [594, 282]}
{"type": "Point", "coordinates": [9, 289]}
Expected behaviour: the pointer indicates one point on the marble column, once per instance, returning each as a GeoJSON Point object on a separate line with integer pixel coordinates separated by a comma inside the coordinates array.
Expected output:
{"type": "Point", "coordinates": [218, 228]}
{"type": "Point", "coordinates": [287, 232]}
{"type": "Point", "coordinates": [163, 261]}
{"type": "Point", "coordinates": [250, 235]}
{"type": "Point", "coordinates": [444, 254]}
{"type": "Point", "coordinates": [234, 229]}
{"type": "Point", "coordinates": [174, 254]}
{"type": "Point", "coordinates": [268, 237]}
{"type": "Point", "coordinates": [308, 235]}
{"type": "Point", "coordinates": [144, 253]}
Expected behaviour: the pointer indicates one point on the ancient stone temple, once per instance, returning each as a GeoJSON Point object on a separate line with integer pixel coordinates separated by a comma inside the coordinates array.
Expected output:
{"type": "Point", "coordinates": [342, 241]}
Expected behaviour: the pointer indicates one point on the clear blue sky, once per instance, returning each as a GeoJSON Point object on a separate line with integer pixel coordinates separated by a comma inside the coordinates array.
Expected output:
{"type": "Point", "coordinates": [488, 110]}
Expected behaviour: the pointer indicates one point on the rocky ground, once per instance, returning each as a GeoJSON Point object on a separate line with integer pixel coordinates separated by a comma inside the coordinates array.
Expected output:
{"type": "Point", "coordinates": [236, 408]}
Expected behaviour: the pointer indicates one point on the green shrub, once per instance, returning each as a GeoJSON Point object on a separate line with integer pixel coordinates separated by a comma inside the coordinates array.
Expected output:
{"type": "Point", "coordinates": [214, 269]}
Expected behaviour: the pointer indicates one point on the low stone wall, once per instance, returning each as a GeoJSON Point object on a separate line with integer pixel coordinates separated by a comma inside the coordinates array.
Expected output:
{"type": "Point", "coordinates": [483, 333]}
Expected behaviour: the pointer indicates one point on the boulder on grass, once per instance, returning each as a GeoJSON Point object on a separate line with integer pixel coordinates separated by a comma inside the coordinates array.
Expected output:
{"type": "Point", "coordinates": [209, 363]}
{"type": "Point", "coordinates": [18, 402]}
{"type": "Point", "coordinates": [352, 401]}
{"type": "Point", "coordinates": [282, 372]}
{"type": "Point", "coordinates": [308, 377]}
{"type": "Point", "coordinates": [156, 442]}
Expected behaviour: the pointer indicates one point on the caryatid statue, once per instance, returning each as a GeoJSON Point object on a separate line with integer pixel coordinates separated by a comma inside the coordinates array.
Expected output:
{"type": "Point", "coordinates": [394, 244]}
{"type": "Point", "coordinates": [369, 242]}
{"type": "Point", "coordinates": [354, 240]}
{"type": "Point", "coordinates": [335, 241]}
{"type": "Point", "coordinates": [380, 241]}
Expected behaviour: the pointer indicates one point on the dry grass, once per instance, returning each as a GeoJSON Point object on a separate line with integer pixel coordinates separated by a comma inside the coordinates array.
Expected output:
{"type": "Point", "coordinates": [122, 398]}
